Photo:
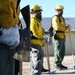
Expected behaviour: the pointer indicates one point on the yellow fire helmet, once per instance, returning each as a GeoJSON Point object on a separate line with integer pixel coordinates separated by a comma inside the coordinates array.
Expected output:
{"type": "Point", "coordinates": [59, 7]}
{"type": "Point", "coordinates": [36, 7]}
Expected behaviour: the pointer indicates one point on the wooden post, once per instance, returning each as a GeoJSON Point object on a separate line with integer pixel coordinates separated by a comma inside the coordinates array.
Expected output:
{"type": "Point", "coordinates": [20, 69]}
{"type": "Point", "coordinates": [47, 55]}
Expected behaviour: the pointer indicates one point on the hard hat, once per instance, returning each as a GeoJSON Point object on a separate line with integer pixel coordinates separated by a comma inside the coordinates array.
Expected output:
{"type": "Point", "coordinates": [36, 7]}
{"type": "Point", "coordinates": [59, 7]}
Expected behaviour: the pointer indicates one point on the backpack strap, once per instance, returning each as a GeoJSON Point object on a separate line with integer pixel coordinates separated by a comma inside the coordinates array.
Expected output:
{"type": "Point", "coordinates": [51, 28]}
{"type": "Point", "coordinates": [63, 19]}
{"type": "Point", "coordinates": [58, 18]}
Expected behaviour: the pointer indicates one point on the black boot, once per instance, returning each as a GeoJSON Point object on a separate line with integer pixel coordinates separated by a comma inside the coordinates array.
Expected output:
{"type": "Point", "coordinates": [58, 67]}
{"type": "Point", "coordinates": [44, 70]}
{"type": "Point", "coordinates": [63, 67]}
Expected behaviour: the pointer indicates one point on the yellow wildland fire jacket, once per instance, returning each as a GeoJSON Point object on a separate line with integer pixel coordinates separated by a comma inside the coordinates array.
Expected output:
{"type": "Point", "coordinates": [59, 26]}
{"type": "Point", "coordinates": [37, 31]}
{"type": "Point", "coordinates": [8, 15]}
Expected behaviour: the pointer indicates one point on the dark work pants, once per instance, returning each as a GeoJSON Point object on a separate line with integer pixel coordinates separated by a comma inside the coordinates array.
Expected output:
{"type": "Point", "coordinates": [7, 63]}
{"type": "Point", "coordinates": [36, 60]}
{"type": "Point", "coordinates": [16, 67]}
{"type": "Point", "coordinates": [17, 64]}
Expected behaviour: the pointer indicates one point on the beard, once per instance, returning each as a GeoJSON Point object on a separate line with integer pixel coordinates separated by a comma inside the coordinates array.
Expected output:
{"type": "Point", "coordinates": [60, 13]}
{"type": "Point", "coordinates": [39, 17]}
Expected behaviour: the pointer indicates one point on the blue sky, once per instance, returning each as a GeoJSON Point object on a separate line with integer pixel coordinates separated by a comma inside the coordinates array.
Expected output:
{"type": "Point", "coordinates": [48, 6]}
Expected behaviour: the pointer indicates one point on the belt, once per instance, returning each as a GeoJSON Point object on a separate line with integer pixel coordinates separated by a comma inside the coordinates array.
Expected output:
{"type": "Point", "coordinates": [60, 32]}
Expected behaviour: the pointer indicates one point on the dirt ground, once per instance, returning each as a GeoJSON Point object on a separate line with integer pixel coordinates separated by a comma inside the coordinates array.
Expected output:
{"type": "Point", "coordinates": [68, 61]}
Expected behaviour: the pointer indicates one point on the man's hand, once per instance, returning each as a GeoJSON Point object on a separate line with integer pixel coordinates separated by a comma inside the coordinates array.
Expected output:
{"type": "Point", "coordinates": [69, 27]}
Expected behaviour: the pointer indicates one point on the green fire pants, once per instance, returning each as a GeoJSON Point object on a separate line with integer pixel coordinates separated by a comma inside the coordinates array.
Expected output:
{"type": "Point", "coordinates": [59, 50]}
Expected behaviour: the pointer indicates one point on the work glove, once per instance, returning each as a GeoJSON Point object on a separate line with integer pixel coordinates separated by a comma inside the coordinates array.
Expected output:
{"type": "Point", "coordinates": [69, 27]}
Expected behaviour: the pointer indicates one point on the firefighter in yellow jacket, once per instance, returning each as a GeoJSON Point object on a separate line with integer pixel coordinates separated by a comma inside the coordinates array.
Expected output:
{"type": "Point", "coordinates": [9, 35]}
{"type": "Point", "coordinates": [59, 26]}
{"type": "Point", "coordinates": [37, 33]}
